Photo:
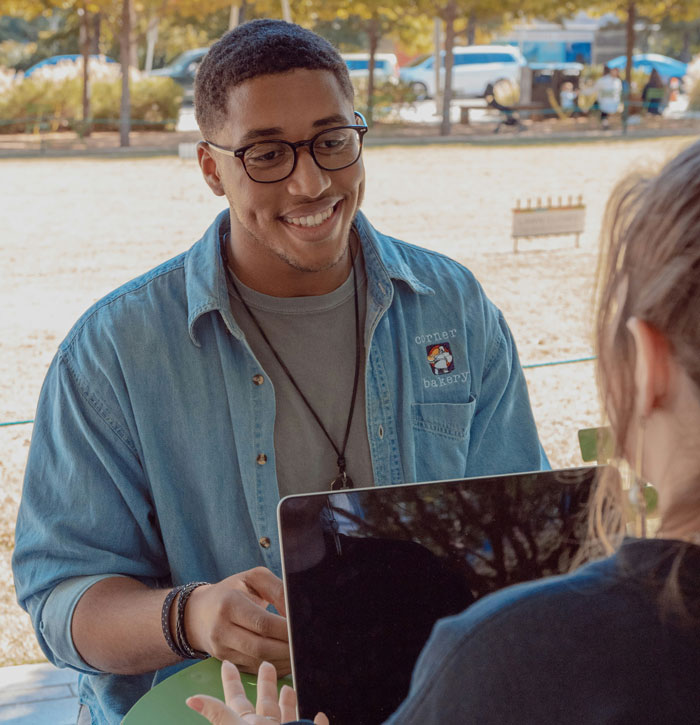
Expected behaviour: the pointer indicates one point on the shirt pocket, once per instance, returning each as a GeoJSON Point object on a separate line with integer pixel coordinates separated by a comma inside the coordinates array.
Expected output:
{"type": "Point", "coordinates": [441, 434]}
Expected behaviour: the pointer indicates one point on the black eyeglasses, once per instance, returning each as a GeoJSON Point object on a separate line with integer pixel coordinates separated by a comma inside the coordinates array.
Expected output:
{"type": "Point", "coordinates": [269, 161]}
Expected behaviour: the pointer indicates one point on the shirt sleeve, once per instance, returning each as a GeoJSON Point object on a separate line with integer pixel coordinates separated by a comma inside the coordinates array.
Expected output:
{"type": "Point", "coordinates": [85, 513]}
{"type": "Point", "coordinates": [503, 429]}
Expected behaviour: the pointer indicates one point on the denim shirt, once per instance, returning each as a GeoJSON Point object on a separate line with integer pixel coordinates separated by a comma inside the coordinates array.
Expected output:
{"type": "Point", "coordinates": [153, 454]}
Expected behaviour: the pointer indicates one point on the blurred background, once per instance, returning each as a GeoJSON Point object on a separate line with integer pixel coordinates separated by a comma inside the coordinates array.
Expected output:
{"type": "Point", "coordinates": [525, 63]}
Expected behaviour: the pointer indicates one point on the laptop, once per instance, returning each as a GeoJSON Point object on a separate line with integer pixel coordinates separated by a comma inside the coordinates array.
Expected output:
{"type": "Point", "coordinates": [368, 572]}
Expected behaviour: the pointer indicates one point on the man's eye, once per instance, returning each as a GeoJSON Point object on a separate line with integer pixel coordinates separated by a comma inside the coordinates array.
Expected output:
{"type": "Point", "coordinates": [265, 156]}
{"type": "Point", "coordinates": [332, 143]}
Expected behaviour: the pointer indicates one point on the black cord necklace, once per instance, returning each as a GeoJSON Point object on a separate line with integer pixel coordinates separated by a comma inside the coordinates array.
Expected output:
{"type": "Point", "coordinates": [342, 480]}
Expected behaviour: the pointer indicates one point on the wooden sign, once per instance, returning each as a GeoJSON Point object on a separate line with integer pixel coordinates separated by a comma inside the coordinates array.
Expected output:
{"type": "Point", "coordinates": [548, 220]}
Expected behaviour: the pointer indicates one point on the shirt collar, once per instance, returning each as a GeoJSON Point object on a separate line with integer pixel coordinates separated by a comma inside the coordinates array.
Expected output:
{"type": "Point", "coordinates": [205, 277]}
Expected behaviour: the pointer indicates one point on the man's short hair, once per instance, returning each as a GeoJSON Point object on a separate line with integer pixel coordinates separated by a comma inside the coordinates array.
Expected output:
{"type": "Point", "coordinates": [260, 47]}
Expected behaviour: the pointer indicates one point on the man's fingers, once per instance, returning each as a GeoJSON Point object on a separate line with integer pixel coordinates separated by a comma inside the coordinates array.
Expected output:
{"type": "Point", "coordinates": [212, 709]}
{"type": "Point", "coordinates": [283, 667]}
{"type": "Point", "coordinates": [261, 582]}
{"type": "Point", "coordinates": [321, 719]}
{"type": "Point", "coordinates": [232, 622]}
{"type": "Point", "coordinates": [250, 666]}
{"type": "Point", "coordinates": [246, 614]}
{"type": "Point", "coordinates": [245, 648]}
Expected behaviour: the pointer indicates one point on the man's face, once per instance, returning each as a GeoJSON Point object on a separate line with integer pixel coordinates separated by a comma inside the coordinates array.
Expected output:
{"type": "Point", "coordinates": [275, 247]}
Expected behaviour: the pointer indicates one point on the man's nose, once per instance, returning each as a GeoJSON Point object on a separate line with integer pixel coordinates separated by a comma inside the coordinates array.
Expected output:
{"type": "Point", "coordinates": [308, 178]}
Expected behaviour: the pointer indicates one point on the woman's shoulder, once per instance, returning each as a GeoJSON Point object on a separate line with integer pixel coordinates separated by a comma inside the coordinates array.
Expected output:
{"type": "Point", "coordinates": [593, 614]}
{"type": "Point", "coordinates": [635, 574]}
{"type": "Point", "coordinates": [544, 600]}
{"type": "Point", "coordinates": [568, 648]}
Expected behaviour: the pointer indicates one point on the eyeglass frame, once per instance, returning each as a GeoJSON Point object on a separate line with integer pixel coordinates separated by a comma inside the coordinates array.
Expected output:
{"type": "Point", "coordinates": [240, 152]}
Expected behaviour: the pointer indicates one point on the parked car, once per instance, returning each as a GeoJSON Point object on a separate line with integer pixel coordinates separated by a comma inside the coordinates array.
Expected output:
{"type": "Point", "coordinates": [475, 68]}
{"type": "Point", "coordinates": [71, 57]}
{"type": "Point", "coordinates": [183, 69]}
{"type": "Point", "coordinates": [386, 67]}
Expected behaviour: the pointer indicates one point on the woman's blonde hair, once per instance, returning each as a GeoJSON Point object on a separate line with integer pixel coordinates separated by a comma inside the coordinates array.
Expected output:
{"type": "Point", "coordinates": [649, 268]}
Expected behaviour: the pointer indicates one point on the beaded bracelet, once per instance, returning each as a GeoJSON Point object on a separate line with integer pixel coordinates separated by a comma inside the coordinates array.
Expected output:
{"type": "Point", "coordinates": [165, 620]}
{"type": "Point", "coordinates": [181, 634]}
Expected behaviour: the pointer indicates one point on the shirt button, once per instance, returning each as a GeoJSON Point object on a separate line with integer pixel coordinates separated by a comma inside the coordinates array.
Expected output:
{"type": "Point", "coordinates": [380, 431]}
{"type": "Point", "coordinates": [261, 459]}
{"type": "Point", "coordinates": [258, 379]}
{"type": "Point", "coordinates": [264, 541]}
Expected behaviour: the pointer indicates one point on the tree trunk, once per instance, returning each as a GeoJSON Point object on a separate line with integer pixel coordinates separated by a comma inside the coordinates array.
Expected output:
{"type": "Point", "coordinates": [438, 64]}
{"type": "Point", "coordinates": [685, 53]}
{"type": "Point", "coordinates": [450, 16]}
{"type": "Point", "coordinates": [151, 40]}
{"type": "Point", "coordinates": [125, 56]}
{"type": "Point", "coordinates": [95, 34]}
{"type": "Point", "coordinates": [85, 51]}
{"type": "Point", "coordinates": [133, 40]}
{"type": "Point", "coordinates": [237, 15]}
{"type": "Point", "coordinates": [286, 12]}
{"type": "Point", "coordinates": [233, 17]}
{"type": "Point", "coordinates": [631, 16]}
{"type": "Point", "coordinates": [471, 28]}
{"type": "Point", "coordinates": [373, 37]}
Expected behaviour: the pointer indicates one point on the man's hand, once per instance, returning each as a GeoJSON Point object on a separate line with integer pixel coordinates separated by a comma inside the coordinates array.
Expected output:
{"type": "Point", "coordinates": [230, 621]}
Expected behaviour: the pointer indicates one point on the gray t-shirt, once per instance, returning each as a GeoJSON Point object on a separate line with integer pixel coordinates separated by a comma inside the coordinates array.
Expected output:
{"type": "Point", "coordinates": [315, 337]}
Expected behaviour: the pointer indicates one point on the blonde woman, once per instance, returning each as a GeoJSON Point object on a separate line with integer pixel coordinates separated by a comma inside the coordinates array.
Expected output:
{"type": "Point", "coordinates": [618, 640]}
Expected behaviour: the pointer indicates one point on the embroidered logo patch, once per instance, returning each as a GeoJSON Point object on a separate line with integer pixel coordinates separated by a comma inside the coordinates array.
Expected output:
{"type": "Point", "coordinates": [440, 359]}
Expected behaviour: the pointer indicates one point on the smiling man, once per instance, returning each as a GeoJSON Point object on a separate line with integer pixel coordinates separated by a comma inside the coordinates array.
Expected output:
{"type": "Point", "coordinates": [293, 348]}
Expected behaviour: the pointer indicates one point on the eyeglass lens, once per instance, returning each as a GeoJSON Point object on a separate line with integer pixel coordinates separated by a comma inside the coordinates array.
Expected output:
{"type": "Point", "coordinates": [333, 149]}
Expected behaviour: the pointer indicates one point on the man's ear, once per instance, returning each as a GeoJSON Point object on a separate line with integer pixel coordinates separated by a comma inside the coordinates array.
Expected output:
{"type": "Point", "coordinates": [653, 371]}
{"type": "Point", "coordinates": [210, 168]}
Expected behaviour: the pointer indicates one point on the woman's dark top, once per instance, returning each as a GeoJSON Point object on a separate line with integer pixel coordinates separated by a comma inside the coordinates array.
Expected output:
{"type": "Point", "coordinates": [595, 646]}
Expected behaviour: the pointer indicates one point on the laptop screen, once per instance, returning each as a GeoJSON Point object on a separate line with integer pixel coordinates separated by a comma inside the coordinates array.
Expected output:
{"type": "Point", "coordinates": [369, 571]}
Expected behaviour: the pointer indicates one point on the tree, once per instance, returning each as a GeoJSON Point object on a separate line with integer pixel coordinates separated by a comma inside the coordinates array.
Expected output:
{"type": "Point", "coordinates": [125, 109]}
{"type": "Point", "coordinates": [87, 11]}
{"type": "Point", "coordinates": [376, 19]}
{"type": "Point", "coordinates": [679, 38]}
{"type": "Point", "coordinates": [449, 11]}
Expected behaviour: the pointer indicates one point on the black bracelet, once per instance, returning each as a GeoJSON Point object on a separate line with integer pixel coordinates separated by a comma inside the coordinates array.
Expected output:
{"type": "Point", "coordinates": [181, 634]}
{"type": "Point", "coordinates": [165, 620]}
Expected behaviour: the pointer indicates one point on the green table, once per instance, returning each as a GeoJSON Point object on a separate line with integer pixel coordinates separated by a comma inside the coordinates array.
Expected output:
{"type": "Point", "coordinates": [165, 703]}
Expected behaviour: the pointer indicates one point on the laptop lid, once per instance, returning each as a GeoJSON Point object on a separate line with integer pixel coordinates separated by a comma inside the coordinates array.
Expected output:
{"type": "Point", "coordinates": [367, 573]}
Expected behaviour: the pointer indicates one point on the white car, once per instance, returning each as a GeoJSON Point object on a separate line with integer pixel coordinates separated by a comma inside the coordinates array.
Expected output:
{"type": "Point", "coordinates": [386, 67]}
{"type": "Point", "coordinates": [475, 67]}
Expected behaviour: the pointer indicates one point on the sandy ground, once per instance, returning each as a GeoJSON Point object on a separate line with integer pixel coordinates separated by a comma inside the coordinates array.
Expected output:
{"type": "Point", "coordinates": [74, 229]}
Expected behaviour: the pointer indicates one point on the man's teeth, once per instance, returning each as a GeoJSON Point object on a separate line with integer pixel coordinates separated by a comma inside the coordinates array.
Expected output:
{"type": "Point", "coordinates": [310, 221]}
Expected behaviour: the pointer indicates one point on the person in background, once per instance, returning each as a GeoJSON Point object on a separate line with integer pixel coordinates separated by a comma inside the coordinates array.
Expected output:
{"type": "Point", "coordinates": [568, 98]}
{"type": "Point", "coordinates": [618, 640]}
{"type": "Point", "coordinates": [653, 93]}
{"type": "Point", "coordinates": [608, 90]}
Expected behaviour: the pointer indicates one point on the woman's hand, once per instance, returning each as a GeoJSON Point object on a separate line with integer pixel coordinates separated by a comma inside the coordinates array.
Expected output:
{"type": "Point", "coordinates": [238, 710]}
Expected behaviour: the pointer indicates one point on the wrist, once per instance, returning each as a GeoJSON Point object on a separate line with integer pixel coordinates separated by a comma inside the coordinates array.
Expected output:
{"type": "Point", "coordinates": [168, 620]}
{"type": "Point", "coordinates": [189, 629]}
{"type": "Point", "coordinates": [175, 631]}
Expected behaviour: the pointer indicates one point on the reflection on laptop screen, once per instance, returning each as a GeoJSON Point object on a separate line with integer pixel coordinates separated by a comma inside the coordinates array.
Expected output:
{"type": "Point", "coordinates": [369, 571]}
